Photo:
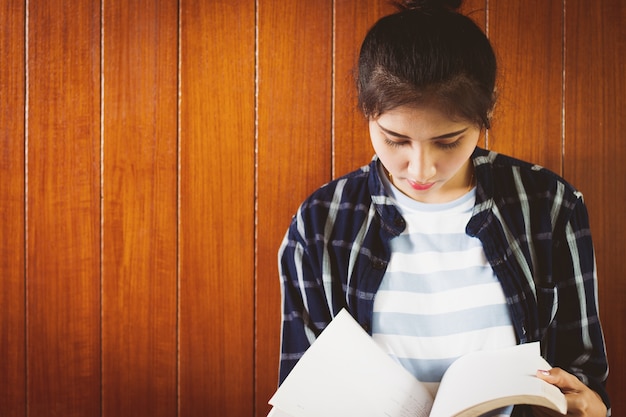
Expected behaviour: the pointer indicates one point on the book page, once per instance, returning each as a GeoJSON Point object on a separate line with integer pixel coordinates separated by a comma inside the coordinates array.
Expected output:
{"type": "Point", "coordinates": [486, 380]}
{"type": "Point", "coordinates": [345, 373]}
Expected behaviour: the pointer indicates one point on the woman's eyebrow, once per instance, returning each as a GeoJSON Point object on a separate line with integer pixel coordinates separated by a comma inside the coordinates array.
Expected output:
{"type": "Point", "coordinates": [400, 135]}
{"type": "Point", "coordinates": [392, 133]}
{"type": "Point", "coordinates": [450, 135]}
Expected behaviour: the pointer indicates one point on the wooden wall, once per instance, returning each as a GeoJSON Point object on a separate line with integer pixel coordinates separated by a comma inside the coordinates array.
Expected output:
{"type": "Point", "coordinates": [153, 152]}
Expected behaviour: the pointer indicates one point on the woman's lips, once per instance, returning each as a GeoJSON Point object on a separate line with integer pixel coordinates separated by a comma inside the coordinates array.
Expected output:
{"type": "Point", "coordinates": [419, 186]}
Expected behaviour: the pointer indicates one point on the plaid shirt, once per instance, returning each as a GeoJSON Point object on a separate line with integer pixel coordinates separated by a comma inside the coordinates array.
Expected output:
{"type": "Point", "coordinates": [535, 233]}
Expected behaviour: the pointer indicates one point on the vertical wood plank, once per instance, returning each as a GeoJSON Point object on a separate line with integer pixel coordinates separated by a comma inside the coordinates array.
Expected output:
{"type": "Point", "coordinates": [352, 145]}
{"type": "Point", "coordinates": [528, 39]}
{"type": "Point", "coordinates": [294, 128]}
{"type": "Point", "coordinates": [63, 260]}
{"type": "Point", "coordinates": [595, 121]}
{"type": "Point", "coordinates": [139, 208]}
{"type": "Point", "coordinates": [12, 197]}
{"type": "Point", "coordinates": [217, 208]}
{"type": "Point", "coordinates": [477, 11]}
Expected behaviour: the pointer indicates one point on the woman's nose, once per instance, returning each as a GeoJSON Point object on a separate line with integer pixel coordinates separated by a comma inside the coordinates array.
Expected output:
{"type": "Point", "coordinates": [421, 166]}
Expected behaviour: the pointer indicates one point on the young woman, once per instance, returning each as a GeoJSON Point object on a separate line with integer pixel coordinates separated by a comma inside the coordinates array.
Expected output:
{"type": "Point", "coordinates": [439, 247]}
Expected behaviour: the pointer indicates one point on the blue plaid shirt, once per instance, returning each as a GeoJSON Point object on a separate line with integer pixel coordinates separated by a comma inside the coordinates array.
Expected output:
{"type": "Point", "coordinates": [535, 233]}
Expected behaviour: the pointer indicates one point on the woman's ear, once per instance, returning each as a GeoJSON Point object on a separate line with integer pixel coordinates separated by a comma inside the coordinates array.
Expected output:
{"type": "Point", "coordinates": [494, 100]}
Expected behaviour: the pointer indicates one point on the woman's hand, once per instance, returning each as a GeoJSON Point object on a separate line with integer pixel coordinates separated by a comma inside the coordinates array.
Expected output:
{"type": "Point", "coordinates": [581, 400]}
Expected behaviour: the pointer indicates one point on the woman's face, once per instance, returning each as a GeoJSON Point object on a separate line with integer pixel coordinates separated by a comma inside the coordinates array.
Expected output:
{"type": "Point", "coordinates": [425, 152]}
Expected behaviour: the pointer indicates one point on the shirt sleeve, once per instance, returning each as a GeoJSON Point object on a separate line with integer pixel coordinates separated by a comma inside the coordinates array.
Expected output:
{"type": "Point", "coordinates": [575, 336]}
{"type": "Point", "coordinates": [305, 312]}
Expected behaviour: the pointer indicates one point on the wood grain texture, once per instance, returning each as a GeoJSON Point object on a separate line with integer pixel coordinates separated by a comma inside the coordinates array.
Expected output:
{"type": "Point", "coordinates": [294, 150]}
{"type": "Point", "coordinates": [63, 237]}
{"type": "Point", "coordinates": [352, 145]}
{"type": "Point", "coordinates": [217, 186]}
{"type": "Point", "coordinates": [529, 48]}
{"type": "Point", "coordinates": [595, 120]}
{"type": "Point", "coordinates": [477, 11]}
{"type": "Point", "coordinates": [139, 283]}
{"type": "Point", "coordinates": [12, 200]}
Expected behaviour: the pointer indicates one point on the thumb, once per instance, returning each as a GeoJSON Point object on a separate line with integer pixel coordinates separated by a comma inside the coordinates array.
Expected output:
{"type": "Point", "coordinates": [546, 375]}
{"type": "Point", "coordinates": [557, 376]}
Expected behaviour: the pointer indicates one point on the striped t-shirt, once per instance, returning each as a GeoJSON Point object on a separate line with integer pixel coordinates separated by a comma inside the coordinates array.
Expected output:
{"type": "Point", "coordinates": [439, 297]}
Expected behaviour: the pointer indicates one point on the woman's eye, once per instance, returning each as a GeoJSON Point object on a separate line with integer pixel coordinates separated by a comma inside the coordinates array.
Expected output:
{"type": "Point", "coordinates": [393, 143]}
{"type": "Point", "coordinates": [445, 145]}
{"type": "Point", "coordinates": [449, 145]}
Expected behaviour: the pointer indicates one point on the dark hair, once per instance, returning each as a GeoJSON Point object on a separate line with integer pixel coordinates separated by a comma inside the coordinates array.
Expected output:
{"type": "Point", "coordinates": [428, 54]}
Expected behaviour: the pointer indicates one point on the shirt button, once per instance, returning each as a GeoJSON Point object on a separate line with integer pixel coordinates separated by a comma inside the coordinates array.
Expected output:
{"type": "Point", "coordinates": [378, 264]}
{"type": "Point", "coordinates": [399, 221]}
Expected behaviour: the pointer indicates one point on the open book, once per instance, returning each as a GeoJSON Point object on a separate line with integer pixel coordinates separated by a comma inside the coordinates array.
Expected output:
{"type": "Point", "coordinates": [345, 373]}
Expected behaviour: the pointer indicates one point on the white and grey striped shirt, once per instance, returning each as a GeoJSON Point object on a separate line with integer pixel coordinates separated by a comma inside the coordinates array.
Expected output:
{"type": "Point", "coordinates": [439, 297]}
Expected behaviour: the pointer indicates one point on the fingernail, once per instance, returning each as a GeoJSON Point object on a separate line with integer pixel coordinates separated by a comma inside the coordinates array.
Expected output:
{"type": "Point", "coordinates": [546, 373]}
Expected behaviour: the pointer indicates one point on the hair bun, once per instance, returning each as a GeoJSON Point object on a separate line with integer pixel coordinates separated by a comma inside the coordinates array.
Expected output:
{"type": "Point", "coordinates": [430, 5]}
